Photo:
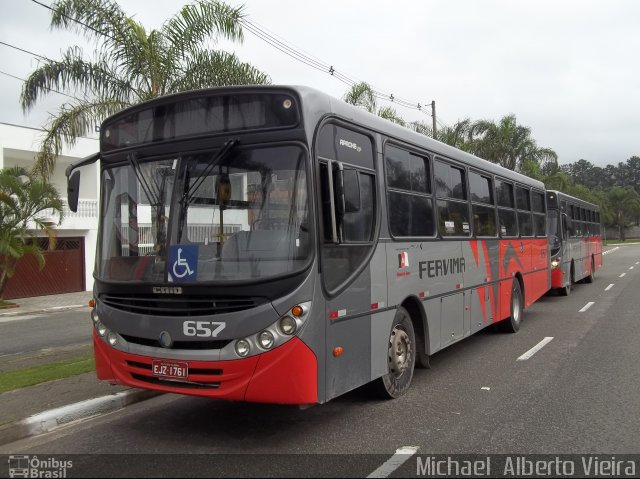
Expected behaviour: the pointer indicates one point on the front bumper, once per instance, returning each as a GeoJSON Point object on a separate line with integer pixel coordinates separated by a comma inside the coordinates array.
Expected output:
{"type": "Point", "coordinates": [287, 374]}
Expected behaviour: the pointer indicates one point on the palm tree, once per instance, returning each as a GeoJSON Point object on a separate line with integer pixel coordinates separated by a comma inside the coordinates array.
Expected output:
{"type": "Point", "coordinates": [26, 205]}
{"type": "Point", "coordinates": [362, 95]}
{"type": "Point", "coordinates": [131, 64]}
{"type": "Point", "coordinates": [456, 135]}
{"type": "Point", "coordinates": [625, 204]}
{"type": "Point", "coordinates": [507, 144]}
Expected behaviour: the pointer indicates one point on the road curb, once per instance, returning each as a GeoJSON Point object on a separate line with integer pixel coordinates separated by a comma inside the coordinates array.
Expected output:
{"type": "Point", "coordinates": [50, 420]}
{"type": "Point", "coordinates": [19, 311]}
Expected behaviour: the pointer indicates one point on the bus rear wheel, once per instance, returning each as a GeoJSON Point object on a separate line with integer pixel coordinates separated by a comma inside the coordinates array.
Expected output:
{"type": "Point", "coordinates": [592, 274]}
{"type": "Point", "coordinates": [512, 323]}
{"type": "Point", "coordinates": [401, 358]}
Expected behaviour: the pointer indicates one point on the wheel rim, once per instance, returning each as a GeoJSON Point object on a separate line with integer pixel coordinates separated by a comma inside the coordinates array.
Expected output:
{"type": "Point", "coordinates": [516, 307]}
{"type": "Point", "coordinates": [400, 352]}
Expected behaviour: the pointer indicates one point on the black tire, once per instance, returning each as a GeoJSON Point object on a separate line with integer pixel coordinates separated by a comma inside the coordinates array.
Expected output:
{"type": "Point", "coordinates": [513, 322]}
{"type": "Point", "coordinates": [566, 290]}
{"type": "Point", "coordinates": [592, 275]}
{"type": "Point", "coordinates": [401, 358]}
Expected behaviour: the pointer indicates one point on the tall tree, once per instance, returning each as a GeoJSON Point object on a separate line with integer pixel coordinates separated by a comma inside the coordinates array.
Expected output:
{"type": "Point", "coordinates": [507, 143]}
{"type": "Point", "coordinates": [26, 206]}
{"type": "Point", "coordinates": [131, 64]}
{"type": "Point", "coordinates": [625, 205]}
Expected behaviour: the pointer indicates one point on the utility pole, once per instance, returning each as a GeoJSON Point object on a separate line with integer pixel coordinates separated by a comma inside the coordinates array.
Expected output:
{"type": "Point", "coordinates": [433, 117]}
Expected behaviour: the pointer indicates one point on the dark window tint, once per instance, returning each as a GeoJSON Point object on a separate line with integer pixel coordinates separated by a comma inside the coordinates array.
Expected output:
{"type": "Point", "coordinates": [453, 218]}
{"type": "Point", "coordinates": [398, 172]}
{"type": "Point", "coordinates": [410, 215]}
{"type": "Point", "coordinates": [406, 171]}
{"type": "Point", "coordinates": [484, 220]}
{"type": "Point", "coordinates": [522, 199]}
{"type": "Point", "coordinates": [449, 181]}
{"type": "Point", "coordinates": [504, 191]}
{"type": "Point", "coordinates": [537, 200]}
{"type": "Point", "coordinates": [539, 225]}
{"type": "Point", "coordinates": [358, 226]}
{"type": "Point", "coordinates": [525, 224]}
{"type": "Point", "coordinates": [480, 188]}
{"type": "Point", "coordinates": [508, 225]}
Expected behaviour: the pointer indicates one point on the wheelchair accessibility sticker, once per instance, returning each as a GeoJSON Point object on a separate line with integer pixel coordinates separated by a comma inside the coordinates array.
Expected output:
{"type": "Point", "coordinates": [183, 262]}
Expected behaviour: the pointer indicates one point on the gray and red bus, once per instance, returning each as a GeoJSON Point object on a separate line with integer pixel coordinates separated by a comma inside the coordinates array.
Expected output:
{"type": "Point", "coordinates": [575, 240]}
{"type": "Point", "coordinates": [274, 244]}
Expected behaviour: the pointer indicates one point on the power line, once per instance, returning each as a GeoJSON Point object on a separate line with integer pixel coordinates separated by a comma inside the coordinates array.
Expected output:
{"type": "Point", "coordinates": [46, 88]}
{"type": "Point", "coordinates": [289, 49]}
{"type": "Point", "coordinates": [294, 52]}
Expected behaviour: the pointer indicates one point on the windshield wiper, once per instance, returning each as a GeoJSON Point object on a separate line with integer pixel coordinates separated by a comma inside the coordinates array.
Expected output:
{"type": "Point", "coordinates": [153, 195]}
{"type": "Point", "coordinates": [221, 156]}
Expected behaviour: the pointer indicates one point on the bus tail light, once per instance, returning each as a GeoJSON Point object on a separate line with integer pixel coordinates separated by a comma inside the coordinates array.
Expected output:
{"type": "Point", "coordinates": [555, 263]}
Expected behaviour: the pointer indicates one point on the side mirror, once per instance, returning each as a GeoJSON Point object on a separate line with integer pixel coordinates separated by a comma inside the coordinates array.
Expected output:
{"type": "Point", "coordinates": [73, 190]}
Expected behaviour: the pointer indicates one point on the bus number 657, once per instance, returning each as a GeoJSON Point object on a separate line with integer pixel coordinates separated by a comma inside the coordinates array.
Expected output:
{"type": "Point", "coordinates": [203, 329]}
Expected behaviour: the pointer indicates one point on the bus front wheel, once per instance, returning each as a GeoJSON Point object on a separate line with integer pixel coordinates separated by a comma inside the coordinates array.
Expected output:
{"type": "Point", "coordinates": [401, 358]}
{"type": "Point", "coordinates": [512, 323]}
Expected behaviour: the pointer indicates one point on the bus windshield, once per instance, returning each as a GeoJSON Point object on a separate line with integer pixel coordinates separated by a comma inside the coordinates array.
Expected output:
{"type": "Point", "coordinates": [233, 214]}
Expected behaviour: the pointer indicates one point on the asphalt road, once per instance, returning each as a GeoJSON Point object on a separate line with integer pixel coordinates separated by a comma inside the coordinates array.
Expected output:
{"type": "Point", "coordinates": [579, 393]}
{"type": "Point", "coordinates": [33, 332]}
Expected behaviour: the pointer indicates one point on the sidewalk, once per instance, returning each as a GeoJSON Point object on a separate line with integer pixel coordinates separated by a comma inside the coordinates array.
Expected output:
{"type": "Point", "coordinates": [54, 302]}
{"type": "Point", "coordinates": [63, 400]}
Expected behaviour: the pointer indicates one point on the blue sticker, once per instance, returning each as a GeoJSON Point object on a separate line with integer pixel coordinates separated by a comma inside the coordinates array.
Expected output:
{"type": "Point", "coordinates": [183, 262]}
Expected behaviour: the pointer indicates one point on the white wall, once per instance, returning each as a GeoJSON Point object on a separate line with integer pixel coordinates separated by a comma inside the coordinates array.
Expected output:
{"type": "Point", "coordinates": [19, 146]}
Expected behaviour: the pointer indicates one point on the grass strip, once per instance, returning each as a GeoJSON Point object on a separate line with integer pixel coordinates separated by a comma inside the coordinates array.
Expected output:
{"type": "Point", "coordinates": [48, 372]}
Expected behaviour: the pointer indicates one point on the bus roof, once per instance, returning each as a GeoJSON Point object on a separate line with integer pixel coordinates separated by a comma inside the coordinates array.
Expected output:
{"type": "Point", "coordinates": [563, 196]}
{"type": "Point", "coordinates": [317, 104]}
{"type": "Point", "coordinates": [388, 128]}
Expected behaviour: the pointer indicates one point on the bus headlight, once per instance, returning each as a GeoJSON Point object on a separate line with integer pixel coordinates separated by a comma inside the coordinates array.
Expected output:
{"type": "Point", "coordinates": [276, 334]}
{"type": "Point", "coordinates": [94, 316]}
{"type": "Point", "coordinates": [288, 325]}
{"type": "Point", "coordinates": [555, 263]}
{"type": "Point", "coordinates": [243, 347]}
{"type": "Point", "coordinates": [266, 339]}
{"type": "Point", "coordinates": [101, 328]}
{"type": "Point", "coordinates": [112, 338]}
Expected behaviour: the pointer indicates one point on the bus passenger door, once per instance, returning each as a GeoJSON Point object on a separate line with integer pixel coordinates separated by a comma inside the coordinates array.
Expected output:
{"type": "Point", "coordinates": [348, 214]}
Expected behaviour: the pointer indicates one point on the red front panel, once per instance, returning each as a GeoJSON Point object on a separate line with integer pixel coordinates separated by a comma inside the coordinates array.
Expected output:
{"type": "Point", "coordinates": [556, 278]}
{"type": "Point", "coordinates": [287, 374]}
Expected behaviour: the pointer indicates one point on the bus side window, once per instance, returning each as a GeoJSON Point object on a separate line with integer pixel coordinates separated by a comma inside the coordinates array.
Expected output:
{"type": "Point", "coordinates": [506, 214]}
{"type": "Point", "coordinates": [451, 193]}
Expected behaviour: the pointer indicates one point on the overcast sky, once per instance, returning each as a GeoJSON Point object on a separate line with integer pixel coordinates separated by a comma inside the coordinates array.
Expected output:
{"type": "Point", "coordinates": [569, 70]}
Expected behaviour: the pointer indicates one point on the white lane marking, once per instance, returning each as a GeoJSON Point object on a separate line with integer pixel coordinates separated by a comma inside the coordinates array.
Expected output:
{"type": "Point", "coordinates": [637, 262]}
{"type": "Point", "coordinates": [587, 306]}
{"type": "Point", "coordinates": [609, 287]}
{"type": "Point", "coordinates": [536, 348]}
{"type": "Point", "coordinates": [631, 267]}
{"type": "Point", "coordinates": [401, 456]}
{"type": "Point", "coordinates": [623, 275]}
{"type": "Point", "coordinates": [610, 250]}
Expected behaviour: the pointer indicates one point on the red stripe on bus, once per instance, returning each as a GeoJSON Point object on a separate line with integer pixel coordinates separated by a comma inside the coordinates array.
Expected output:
{"type": "Point", "coordinates": [474, 250]}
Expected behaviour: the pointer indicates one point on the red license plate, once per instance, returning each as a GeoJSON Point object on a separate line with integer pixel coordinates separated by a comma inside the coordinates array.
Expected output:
{"type": "Point", "coordinates": [170, 369]}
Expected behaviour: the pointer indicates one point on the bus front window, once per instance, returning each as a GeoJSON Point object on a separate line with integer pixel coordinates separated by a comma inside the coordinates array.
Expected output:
{"type": "Point", "coordinates": [243, 213]}
{"type": "Point", "coordinates": [553, 229]}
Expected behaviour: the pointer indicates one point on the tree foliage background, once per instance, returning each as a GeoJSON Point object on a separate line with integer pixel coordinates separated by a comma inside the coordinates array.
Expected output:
{"type": "Point", "coordinates": [129, 64]}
